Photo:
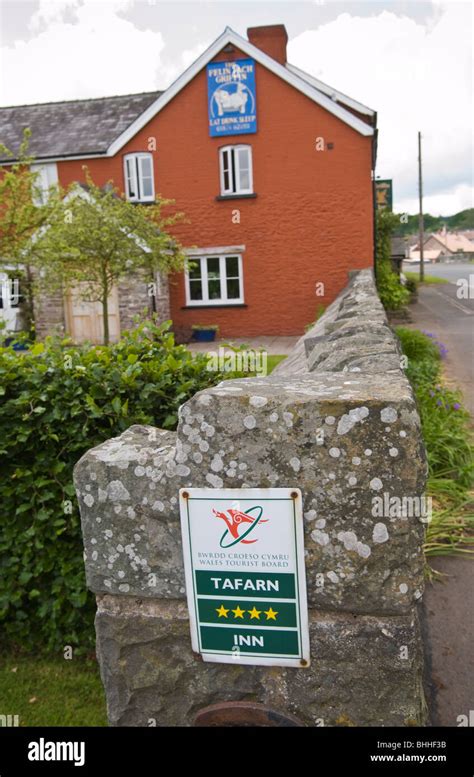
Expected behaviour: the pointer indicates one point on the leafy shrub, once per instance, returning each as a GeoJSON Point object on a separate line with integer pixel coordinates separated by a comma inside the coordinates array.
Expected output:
{"type": "Point", "coordinates": [417, 346]}
{"type": "Point", "coordinates": [391, 292]}
{"type": "Point", "coordinates": [57, 402]}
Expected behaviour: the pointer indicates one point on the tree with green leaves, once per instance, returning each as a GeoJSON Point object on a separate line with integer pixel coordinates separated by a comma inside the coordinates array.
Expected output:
{"type": "Point", "coordinates": [23, 212]}
{"type": "Point", "coordinates": [95, 238]}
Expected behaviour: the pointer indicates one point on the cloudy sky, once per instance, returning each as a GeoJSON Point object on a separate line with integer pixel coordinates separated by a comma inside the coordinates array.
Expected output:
{"type": "Point", "coordinates": [410, 60]}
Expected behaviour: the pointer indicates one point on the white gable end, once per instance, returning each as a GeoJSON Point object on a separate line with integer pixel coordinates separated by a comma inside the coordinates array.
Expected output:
{"type": "Point", "coordinates": [290, 75]}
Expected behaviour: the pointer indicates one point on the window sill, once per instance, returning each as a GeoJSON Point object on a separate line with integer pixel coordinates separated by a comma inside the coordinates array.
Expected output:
{"type": "Point", "coordinates": [217, 305]}
{"type": "Point", "coordinates": [236, 196]}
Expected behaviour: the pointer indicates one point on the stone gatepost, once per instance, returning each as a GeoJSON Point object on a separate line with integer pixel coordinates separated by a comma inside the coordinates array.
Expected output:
{"type": "Point", "coordinates": [348, 436]}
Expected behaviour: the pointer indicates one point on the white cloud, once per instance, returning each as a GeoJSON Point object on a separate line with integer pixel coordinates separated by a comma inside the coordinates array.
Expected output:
{"type": "Point", "coordinates": [50, 11]}
{"type": "Point", "coordinates": [417, 78]}
{"type": "Point", "coordinates": [169, 72]}
{"type": "Point", "coordinates": [442, 204]}
{"type": "Point", "coordinates": [85, 48]}
{"type": "Point", "coordinates": [80, 50]}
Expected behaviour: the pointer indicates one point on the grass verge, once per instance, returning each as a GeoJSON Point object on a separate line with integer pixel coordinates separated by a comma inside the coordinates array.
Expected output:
{"type": "Point", "coordinates": [52, 691]}
{"type": "Point", "coordinates": [273, 360]}
{"type": "Point", "coordinates": [415, 277]}
{"type": "Point", "coordinates": [446, 431]}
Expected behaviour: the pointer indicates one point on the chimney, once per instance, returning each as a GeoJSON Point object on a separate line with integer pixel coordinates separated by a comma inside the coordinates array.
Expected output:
{"type": "Point", "coordinates": [271, 39]}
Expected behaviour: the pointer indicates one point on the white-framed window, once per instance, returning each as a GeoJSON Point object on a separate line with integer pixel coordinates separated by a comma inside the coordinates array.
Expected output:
{"type": "Point", "coordinates": [235, 166]}
{"type": "Point", "coordinates": [138, 174]}
{"type": "Point", "coordinates": [214, 280]}
{"type": "Point", "coordinates": [46, 176]}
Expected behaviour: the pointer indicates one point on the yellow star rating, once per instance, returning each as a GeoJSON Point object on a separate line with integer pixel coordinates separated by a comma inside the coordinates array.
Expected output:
{"type": "Point", "coordinates": [271, 614]}
{"type": "Point", "coordinates": [255, 614]}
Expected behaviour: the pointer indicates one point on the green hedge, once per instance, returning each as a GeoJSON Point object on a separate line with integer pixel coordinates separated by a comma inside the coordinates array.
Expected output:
{"type": "Point", "coordinates": [57, 401]}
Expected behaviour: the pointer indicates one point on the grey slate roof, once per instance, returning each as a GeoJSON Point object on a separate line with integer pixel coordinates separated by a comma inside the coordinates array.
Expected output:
{"type": "Point", "coordinates": [73, 127]}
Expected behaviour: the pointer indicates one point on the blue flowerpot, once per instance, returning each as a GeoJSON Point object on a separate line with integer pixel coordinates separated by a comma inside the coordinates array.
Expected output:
{"type": "Point", "coordinates": [16, 346]}
{"type": "Point", "coordinates": [204, 335]}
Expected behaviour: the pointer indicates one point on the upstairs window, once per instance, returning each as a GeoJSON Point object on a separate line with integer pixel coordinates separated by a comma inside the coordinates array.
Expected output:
{"type": "Point", "coordinates": [138, 173]}
{"type": "Point", "coordinates": [235, 164]}
{"type": "Point", "coordinates": [214, 280]}
{"type": "Point", "coordinates": [46, 177]}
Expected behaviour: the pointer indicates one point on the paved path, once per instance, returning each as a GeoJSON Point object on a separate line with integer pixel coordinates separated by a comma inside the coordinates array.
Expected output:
{"type": "Point", "coordinates": [449, 605]}
{"type": "Point", "coordinates": [272, 345]}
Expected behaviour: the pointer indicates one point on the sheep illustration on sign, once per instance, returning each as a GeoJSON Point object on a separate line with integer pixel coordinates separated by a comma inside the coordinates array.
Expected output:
{"type": "Point", "coordinates": [231, 97]}
{"type": "Point", "coordinates": [231, 101]}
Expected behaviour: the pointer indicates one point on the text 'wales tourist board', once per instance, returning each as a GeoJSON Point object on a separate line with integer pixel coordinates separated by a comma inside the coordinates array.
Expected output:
{"type": "Point", "coordinates": [245, 575]}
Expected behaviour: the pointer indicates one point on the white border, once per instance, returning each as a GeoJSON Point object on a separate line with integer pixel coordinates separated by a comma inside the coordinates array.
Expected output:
{"type": "Point", "coordinates": [238, 494]}
{"type": "Point", "coordinates": [330, 92]}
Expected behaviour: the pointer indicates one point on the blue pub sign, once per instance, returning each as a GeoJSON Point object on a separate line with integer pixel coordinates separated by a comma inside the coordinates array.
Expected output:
{"type": "Point", "coordinates": [232, 102]}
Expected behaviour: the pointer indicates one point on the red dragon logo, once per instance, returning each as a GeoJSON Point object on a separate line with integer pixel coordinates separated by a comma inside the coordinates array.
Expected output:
{"type": "Point", "coordinates": [236, 519]}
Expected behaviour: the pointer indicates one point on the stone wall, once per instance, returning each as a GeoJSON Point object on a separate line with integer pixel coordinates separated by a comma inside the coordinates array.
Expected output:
{"type": "Point", "coordinates": [336, 419]}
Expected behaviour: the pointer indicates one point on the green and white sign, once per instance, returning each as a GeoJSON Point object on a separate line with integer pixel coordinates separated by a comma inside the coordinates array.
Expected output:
{"type": "Point", "coordinates": [245, 575]}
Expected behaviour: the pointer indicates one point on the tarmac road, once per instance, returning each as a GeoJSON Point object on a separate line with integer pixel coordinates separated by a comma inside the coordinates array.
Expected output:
{"type": "Point", "coordinates": [449, 606]}
{"type": "Point", "coordinates": [440, 309]}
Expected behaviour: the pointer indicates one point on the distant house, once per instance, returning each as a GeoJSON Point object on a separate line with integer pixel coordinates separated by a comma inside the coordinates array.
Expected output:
{"type": "Point", "coordinates": [449, 244]}
{"type": "Point", "coordinates": [272, 168]}
{"type": "Point", "coordinates": [443, 245]}
{"type": "Point", "coordinates": [432, 255]}
{"type": "Point", "coordinates": [469, 233]}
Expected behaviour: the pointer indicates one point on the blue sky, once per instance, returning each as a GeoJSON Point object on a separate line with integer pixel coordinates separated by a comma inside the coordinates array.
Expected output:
{"type": "Point", "coordinates": [410, 61]}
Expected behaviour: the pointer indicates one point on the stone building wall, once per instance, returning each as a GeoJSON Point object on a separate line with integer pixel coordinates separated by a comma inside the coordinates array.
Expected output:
{"type": "Point", "coordinates": [134, 298]}
{"type": "Point", "coordinates": [336, 419]}
{"type": "Point", "coordinates": [49, 314]}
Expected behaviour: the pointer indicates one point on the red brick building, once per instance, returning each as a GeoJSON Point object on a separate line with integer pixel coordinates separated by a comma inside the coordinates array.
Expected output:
{"type": "Point", "coordinates": [272, 168]}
